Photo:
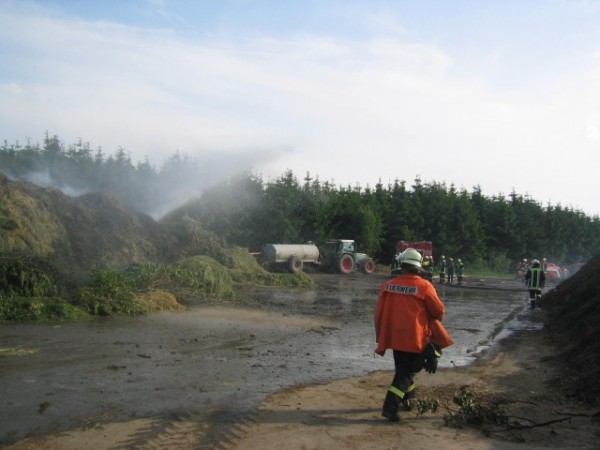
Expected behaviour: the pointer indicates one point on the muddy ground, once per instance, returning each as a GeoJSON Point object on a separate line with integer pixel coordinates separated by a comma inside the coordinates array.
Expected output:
{"type": "Point", "coordinates": [285, 369]}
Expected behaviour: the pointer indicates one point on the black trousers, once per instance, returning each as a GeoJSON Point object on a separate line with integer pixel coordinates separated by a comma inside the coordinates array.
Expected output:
{"type": "Point", "coordinates": [407, 365]}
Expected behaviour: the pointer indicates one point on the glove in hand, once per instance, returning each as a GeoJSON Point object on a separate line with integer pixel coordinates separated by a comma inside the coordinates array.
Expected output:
{"type": "Point", "coordinates": [430, 365]}
{"type": "Point", "coordinates": [432, 353]}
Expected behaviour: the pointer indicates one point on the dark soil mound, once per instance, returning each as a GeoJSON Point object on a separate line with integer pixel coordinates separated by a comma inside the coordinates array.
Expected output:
{"type": "Point", "coordinates": [573, 318]}
{"type": "Point", "coordinates": [76, 234]}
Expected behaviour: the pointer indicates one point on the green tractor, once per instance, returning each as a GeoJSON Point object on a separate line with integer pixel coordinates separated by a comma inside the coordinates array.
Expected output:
{"type": "Point", "coordinates": [340, 255]}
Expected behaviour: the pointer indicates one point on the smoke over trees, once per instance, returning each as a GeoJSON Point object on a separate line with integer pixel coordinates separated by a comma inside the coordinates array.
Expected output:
{"type": "Point", "coordinates": [487, 231]}
{"type": "Point", "coordinates": [77, 169]}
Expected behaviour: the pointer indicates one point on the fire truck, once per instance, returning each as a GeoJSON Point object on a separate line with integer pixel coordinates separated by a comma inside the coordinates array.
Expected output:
{"type": "Point", "coordinates": [425, 248]}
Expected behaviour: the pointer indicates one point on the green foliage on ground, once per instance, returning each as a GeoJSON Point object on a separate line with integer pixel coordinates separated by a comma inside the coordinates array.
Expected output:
{"type": "Point", "coordinates": [117, 292]}
{"type": "Point", "coordinates": [26, 277]}
{"type": "Point", "coordinates": [245, 269]}
{"type": "Point", "coordinates": [190, 279]}
{"type": "Point", "coordinates": [110, 292]}
{"type": "Point", "coordinates": [200, 274]}
{"type": "Point", "coordinates": [202, 277]}
{"type": "Point", "coordinates": [477, 410]}
{"type": "Point", "coordinates": [14, 308]}
{"type": "Point", "coordinates": [28, 292]}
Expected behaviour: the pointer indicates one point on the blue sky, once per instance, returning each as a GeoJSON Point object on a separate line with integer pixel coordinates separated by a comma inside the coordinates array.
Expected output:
{"type": "Point", "coordinates": [499, 93]}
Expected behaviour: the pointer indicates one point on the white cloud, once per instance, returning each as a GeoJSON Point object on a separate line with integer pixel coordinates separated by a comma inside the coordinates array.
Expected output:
{"type": "Point", "coordinates": [348, 110]}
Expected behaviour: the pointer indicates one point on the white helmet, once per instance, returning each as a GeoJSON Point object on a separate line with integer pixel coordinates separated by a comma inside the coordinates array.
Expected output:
{"type": "Point", "coordinates": [411, 257]}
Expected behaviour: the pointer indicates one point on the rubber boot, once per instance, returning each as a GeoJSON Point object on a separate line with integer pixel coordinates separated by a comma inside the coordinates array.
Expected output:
{"type": "Point", "coordinates": [409, 401]}
{"type": "Point", "coordinates": [390, 407]}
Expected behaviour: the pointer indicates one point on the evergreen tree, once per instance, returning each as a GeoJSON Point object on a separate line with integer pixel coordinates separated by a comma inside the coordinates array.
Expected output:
{"type": "Point", "coordinates": [487, 231]}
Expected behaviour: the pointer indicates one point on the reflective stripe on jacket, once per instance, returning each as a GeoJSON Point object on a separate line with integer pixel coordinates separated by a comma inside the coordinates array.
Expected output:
{"type": "Point", "coordinates": [535, 279]}
{"type": "Point", "coordinates": [404, 309]}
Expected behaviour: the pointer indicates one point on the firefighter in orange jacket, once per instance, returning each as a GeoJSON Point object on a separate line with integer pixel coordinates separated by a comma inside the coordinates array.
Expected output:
{"type": "Point", "coordinates": [406, 308]}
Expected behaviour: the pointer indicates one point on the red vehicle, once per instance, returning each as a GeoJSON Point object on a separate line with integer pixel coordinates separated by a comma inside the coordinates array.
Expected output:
{"type": "Point", "coordinates": [553, 272]}
{"type": "Point", "coordinates": [425, 248]}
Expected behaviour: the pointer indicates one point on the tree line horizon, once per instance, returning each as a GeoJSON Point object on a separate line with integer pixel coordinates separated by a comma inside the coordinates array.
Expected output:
{"type": "Point", "coordinates": [486, 232]}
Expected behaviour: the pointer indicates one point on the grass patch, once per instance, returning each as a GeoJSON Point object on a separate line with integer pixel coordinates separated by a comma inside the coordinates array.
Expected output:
{"type": "Point", "coordinates": [490, 274]}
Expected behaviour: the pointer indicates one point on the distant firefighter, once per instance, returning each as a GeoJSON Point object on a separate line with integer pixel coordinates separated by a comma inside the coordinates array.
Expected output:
{"type": "Point", "coordinates": [460, 270]}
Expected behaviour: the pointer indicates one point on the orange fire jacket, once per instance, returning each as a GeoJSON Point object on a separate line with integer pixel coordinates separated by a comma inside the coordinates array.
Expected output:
{"type": "Point", "coordinates": [403, 316]}
{"type": "Point", "coordinates": [439, 335]}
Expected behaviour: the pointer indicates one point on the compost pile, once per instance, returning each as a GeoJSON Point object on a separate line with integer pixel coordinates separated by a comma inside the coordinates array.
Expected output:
{"type": "Point", "coordinates": [75, 234]}
{"type": "Point", "coordinates": [47, 233]}
{"type": "Point", "coordinates": [573, 318]}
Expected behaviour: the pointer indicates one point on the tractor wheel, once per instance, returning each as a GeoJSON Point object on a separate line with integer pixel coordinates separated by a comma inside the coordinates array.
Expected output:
{"type": "Point", "coordinates": [346, 264]}
{"type": "Point", "coordinates": [295, 264]}
{"type": "Point", "coordinates": [368, 266]}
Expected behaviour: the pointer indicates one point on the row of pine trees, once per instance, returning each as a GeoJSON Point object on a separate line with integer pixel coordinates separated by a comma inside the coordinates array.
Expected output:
{"type": "Point", "coordinates": [487, 232]}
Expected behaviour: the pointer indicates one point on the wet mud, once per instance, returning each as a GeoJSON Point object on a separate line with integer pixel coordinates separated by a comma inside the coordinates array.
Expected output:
{"type": "Point", "coordinates": [215, 363]}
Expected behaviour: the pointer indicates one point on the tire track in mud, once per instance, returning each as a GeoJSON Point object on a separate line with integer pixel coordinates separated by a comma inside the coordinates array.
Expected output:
{"type": "Point", "coordinates": [180, 433]}
{"type": "Point", "coordinates": [227, 437]}
{"type": "Point", "coordinates": [217, 429]}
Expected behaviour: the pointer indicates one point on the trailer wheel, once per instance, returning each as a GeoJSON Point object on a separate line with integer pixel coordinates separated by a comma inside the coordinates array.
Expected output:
{"type": "Point", "coordinates": [295, 264]}
{"type": "Point", "coordinates": [346, 264]}
{"type": "Point", "coordinates": [368, 266]}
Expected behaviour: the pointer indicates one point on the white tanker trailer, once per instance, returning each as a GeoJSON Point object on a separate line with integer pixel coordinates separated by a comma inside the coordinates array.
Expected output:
{"type": "Point", "coordinates": [335, 255]}
{"type": "Point", "coordinates": [292, 255]}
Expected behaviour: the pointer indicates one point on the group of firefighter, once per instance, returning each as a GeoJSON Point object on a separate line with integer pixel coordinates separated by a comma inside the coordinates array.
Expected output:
{"type": "Point", "coordinates": [525, 265]}
{"type": "Point", "coordinates": [408, 317]}
{"type": "Point", "coordinates": [447, 269]}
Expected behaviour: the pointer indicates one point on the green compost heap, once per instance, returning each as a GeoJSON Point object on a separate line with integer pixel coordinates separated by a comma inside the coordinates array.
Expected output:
{"type": "Point", "coordinates": [61, 254]}
{"type": "Point", "coordinates": [573, 320]}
